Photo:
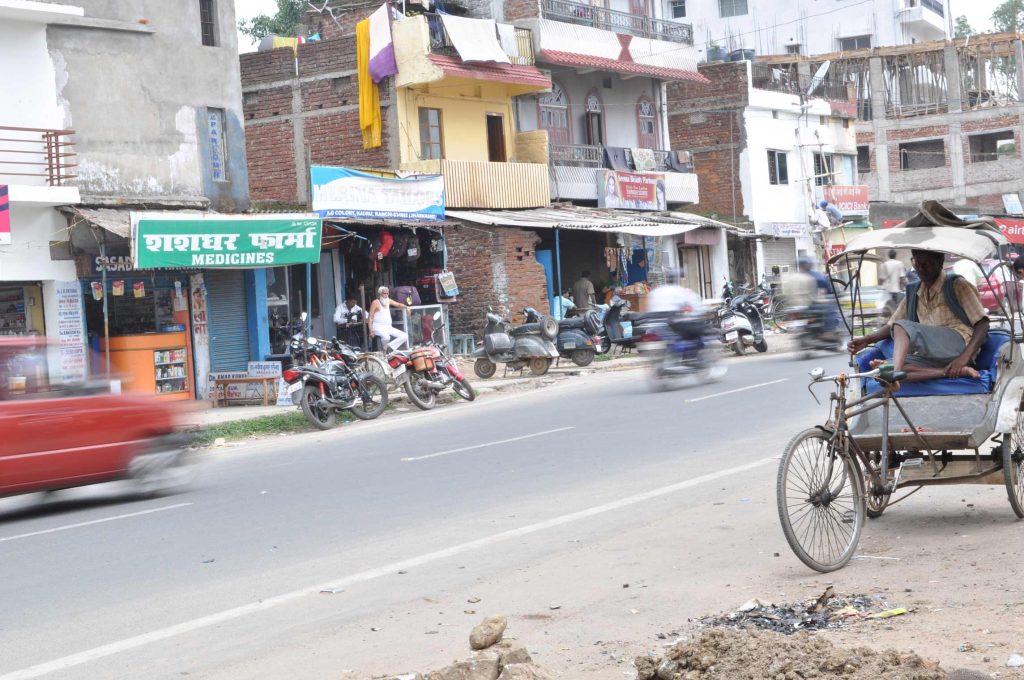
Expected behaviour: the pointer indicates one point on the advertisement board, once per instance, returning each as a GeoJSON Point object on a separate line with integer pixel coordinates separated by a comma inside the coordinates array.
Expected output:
{"type": "Point", "coordinates": [850, 199]}
{"type": "Point", "coordinates": [630, 190]}
{"type": "Point", "coordinates": [343, 192]}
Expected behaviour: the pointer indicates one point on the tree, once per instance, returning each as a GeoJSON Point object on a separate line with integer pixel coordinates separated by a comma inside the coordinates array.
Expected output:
{"type": "Point", "coordinates": [962, 29]}
{"type": "Point", "coordinates": [1009, 16]}
{"type": "Point", "coordinates": [287, 21]}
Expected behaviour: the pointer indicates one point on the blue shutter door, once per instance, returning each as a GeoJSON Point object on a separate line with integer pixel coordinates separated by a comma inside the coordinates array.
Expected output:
{"type": "Point", "coordinates": [229, 325]}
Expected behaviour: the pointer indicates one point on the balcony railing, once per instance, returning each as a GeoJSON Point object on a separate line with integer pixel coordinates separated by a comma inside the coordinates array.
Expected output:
{"type": "Point", "coordinates": [592, 156]}
{"type": "Point", "coordinates": [766, 77]}
{"type": "Point", "coordinates": [37, 152]}
{"type": "Point", "coordinates": [440, 43]}
{"type": "Point", "coordinates": [618, 22]}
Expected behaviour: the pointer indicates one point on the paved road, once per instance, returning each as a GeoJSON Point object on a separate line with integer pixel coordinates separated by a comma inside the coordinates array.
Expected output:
{"type": "Point", "coordinates": [224, 581]}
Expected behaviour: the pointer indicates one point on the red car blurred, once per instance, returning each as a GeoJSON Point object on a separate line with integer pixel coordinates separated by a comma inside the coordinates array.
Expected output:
{"type": "Point", "coordinates": [58, 436]}
{"type": "Point", "coordinates": [992, 288]}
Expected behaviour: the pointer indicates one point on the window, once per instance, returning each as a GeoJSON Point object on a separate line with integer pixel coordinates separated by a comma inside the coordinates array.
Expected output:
{"type": "Point", "coordinates": [218, 145]}
{"type": "Point", "coordinates": [922, 155]}
{"type": "Point", "coordinates": [595, 120]}
{"type": "Point", "coordinates": [554, 115]}
{"type": "Point", "coordinates": [859, 42]}
{"type": "Point", "coordinates": [678, 9]}
{"type": "Point", "coordinates": [793, 49]}
{"type": "Point", "coordinates": [778, 169]}
{"type": "Point", "coordinates": [647, 123]}
{"type": "Point", "coordinates": [731, 8]}
{"type": "Point", "coordinates": [992, 146]}
{"type": "Point", "coordinates": [863, 159]}
{"type": "Point", "coordinates": [207, 22]}
{"type": "Point", "coordinates": [823, 168]}
{"type": "Point", "coordinates": [431, 134]}
{"type": "Point", "coordinates": [496, 138]}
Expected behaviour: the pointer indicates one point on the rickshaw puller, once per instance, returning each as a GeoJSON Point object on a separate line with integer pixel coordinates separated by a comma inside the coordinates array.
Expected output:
{"type": "Point", "coordinates": [940, 340]}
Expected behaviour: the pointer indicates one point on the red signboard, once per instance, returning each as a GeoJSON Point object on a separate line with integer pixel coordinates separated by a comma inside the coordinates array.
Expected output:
{"type": "Point", "coordinates": [1013, 228]}
{"type": "Point", "coordinates": [631, 190]}
{"type": "Point", "coordinates": [851, 200]}
{"type": "Point", "coordinates": [5, 215]}
{"type": "Point", "coordinates": [835, 250]}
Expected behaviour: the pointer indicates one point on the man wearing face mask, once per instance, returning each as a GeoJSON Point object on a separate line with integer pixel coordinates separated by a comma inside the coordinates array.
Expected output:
{"type": "Point", "coordinates": [938, 328]}
{"type": "Point", "coordinates": [380, 320]}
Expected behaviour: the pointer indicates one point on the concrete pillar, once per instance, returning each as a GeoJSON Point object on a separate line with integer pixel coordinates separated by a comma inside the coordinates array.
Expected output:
{"type": "Point", "coordinates": [877, 88]}
{"type": "Point", "coordinates": [299, 145]}
{"type": "Point", "coordinates": [957, 169]}
{"type": "Point", "coordinates": [951, 64]}
{"type": "Point", "coordinates": [1018, 54]}
{"type": "Point", "coordinates": [881, 146]}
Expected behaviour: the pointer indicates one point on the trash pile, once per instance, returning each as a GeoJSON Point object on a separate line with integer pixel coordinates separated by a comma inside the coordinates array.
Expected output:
{"type": "Point", "coordinates": [721, 654]}
{"type": "Point", "coordinates": [493, 659]}
{"type": "Point", "coordinates": [823, 612]}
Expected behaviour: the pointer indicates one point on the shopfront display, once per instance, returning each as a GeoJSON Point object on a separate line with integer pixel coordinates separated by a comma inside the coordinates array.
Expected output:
{"type": "Point", "coordinates": [21, 311]}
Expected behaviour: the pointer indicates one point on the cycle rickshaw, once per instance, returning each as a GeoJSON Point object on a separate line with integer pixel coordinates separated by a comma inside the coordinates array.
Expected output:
{"type": "Point", "coordinates": [881, 437]}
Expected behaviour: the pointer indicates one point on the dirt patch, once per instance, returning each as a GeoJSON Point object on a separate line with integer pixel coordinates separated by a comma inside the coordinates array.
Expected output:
{"type": "Point", "coordinates": [721, 654]}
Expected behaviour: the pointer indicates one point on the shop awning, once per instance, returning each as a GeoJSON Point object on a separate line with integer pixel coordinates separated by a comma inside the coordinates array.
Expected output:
{"type": "Point", "coordinates": [117, 222]}
{"type": "Point", "coordinates": [588, 219]}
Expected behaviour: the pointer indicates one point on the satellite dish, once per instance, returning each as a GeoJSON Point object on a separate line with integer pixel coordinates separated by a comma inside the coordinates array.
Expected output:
{"type": "Point", "coordinates": [819, 78]}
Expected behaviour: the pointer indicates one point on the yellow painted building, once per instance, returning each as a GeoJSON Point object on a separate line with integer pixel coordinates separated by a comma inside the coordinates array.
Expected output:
{"type": "Point", "coordinates": [456, 118]}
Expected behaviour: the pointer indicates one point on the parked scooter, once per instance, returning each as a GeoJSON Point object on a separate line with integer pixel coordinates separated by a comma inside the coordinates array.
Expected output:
{"type": "Point", "coordinates": [529, 345]}
{"type": "Point", "coordinates": [683, 347]}
{"type": "Point", "coordinates": [741, 324]}
{"type": "Point", "coordinates": [577, 336]}
{"type": "Point", "coordinates": [612, 333]}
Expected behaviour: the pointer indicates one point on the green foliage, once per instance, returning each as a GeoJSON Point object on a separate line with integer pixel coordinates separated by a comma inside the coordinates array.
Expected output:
{"type": "Point", "coordinates": [1008, 17]}
{"type": "Point", "coordinates": [286, 22]}
{"type": "Point", "coordinates": [962, 28]}
{"type": "Point", "coordinates": [265, 426]}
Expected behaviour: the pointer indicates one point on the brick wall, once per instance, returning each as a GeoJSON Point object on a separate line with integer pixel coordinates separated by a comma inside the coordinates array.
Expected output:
{"type": "Point", "coordinates": [342, 23]}
{"type": "Point", "coordinates": [320, 105]}
{"type": "Point", "coordinates": [987, 204]}
{"type": "Point", "coordinates": [865, 137]}
{"type": "Point", "coordinates": [520, 9]}
{"type": "Point", "coordinates": [926, 132]}
{"type": "Point", "coordinates": [993, 123]}
{"type": "Point", "coordinates": [495, 267]}
{"type": "Point", "coordinates": [701, 122]}
{"type": "Point", "coordinates": [268, 148]}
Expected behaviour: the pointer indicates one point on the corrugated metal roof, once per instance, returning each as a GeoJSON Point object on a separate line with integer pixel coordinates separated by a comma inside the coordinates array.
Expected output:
{"type": "Point", "coordinates": [586, 219]}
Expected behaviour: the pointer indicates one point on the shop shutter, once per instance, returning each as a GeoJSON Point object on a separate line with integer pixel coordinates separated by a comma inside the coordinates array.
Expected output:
{"type": "Point", "coordinates": [229, 323]}
{"type": "Point", "coordinates": [780, 252]}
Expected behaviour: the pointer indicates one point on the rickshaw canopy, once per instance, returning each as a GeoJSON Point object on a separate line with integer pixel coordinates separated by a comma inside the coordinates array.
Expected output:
{"type": "Point", "coordinates": [934, 228]}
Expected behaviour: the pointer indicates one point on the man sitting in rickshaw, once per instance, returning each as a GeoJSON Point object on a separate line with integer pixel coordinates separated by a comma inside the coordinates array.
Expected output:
{"type": "Point", "coordinates": [938, 329]}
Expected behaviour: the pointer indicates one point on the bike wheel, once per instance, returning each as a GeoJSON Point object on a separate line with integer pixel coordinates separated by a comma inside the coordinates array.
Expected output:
{"type": "Point", "coordinates": [423, 399]}
{"type": "Point", "coordinates": [539, 365]}
{"type": "Point", "coordinates": [739, 347]}
{"type": "Point", "coordinates": [484, 368]}
{"type": "Point", "coordinates": [582, 357]}
{"type": "Point", "coordinates": [820, 500]}
{"type": "Point", "coordinates": [375, 366]}
{"type": "Point", "coordinates": [317, 412]}
{"type": "Point", "coordinates": [1013, 465]}
{"type": "Point", "coordinates": [371, 404]}
{"type": "Point", "coordinates": [464, 389]}
{"type": "Point", "coordinates": [777, 315]}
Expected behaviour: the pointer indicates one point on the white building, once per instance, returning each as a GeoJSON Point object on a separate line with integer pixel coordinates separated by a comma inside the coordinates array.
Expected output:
{"type": "Point", "coordinates": [724, 27]}
{"type": "Point", "coordinates": [34, 174]}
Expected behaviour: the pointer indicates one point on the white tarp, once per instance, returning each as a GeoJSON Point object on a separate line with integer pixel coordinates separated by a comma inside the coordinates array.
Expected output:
{"type": "Point", "coordinates": [475, 39]}
{"type": "Point", "coordinates": [573, 220]}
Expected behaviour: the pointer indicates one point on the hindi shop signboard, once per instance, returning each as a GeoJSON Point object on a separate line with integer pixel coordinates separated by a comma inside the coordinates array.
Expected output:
{"type": "Point", "coordinates": [851, 200]}
{"type": "Point", "coordinates": [630, 190]}
{"type": "Point", "coordinates": [224, 241]}
{"type": "Point", "coordinates": [341, 192]}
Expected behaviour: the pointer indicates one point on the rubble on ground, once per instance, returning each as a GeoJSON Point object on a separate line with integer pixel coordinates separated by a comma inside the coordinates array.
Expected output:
{"type": "Point", "coordinates": [823, 612]}
{"type": "Point", "coordinates": [721, 654]}
{"type": "Point", "coordinates": [494, 659]}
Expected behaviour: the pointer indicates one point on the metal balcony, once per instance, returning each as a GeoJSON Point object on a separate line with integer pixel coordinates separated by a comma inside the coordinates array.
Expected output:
{"type": "Point", "coordinates": [773, 79]}
{"type": "Point", "coordinates": [590, 156]}
{"type": "Point", "coordinates": [618, 22]}
{"type": "Point", "coordinates": [441, 44]}
{"type": "Point", "coordinates": [37, 152]}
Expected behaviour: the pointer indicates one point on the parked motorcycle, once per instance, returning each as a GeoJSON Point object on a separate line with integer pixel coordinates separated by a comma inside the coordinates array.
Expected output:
{"type": "Point", "coordinates": [684, 346]}
{"type": "Point", "coordinates": [427, 370]}
{"type": "Point", "coordinates": [741, 324]}
{"type": "Point", "coordinates": [529, 345]}
{"type": "Point", "coordinates": [331, 383]}
{"type": "Point", "coordinates": [577, 339]}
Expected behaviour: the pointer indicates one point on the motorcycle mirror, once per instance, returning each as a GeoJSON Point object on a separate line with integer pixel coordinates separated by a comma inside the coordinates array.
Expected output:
{"type": "Point", "coordinates": [817, 372]}
{"type": "Point", "coordinates": [302, 317]}
{"type": "Point", "coordinates": [437, 315]}
{"type": "Point", "coordinates": [311, 341]}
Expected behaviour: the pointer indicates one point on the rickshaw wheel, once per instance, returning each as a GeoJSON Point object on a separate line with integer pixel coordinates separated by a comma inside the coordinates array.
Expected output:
{"type": "Point", "coordinates": [1013, 465]}
{"type": "Point", "coordinates": [876, 503]}
{"type": "Point", "coordinates": [821, 518]}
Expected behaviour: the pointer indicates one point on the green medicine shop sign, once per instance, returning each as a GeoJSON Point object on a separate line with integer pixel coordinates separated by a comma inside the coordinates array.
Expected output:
{"type": "Point", "coordinates": [224, 241]}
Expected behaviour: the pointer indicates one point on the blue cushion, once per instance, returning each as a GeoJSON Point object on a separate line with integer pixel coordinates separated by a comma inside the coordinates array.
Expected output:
{"type": "Point", "coordinates": [987, 364]}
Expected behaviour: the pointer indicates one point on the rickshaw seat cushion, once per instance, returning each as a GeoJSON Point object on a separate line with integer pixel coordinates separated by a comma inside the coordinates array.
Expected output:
{"type": "Point", "coordinates": [987, 364]}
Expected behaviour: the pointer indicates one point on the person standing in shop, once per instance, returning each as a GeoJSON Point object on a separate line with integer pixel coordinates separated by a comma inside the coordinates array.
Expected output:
{"type": "Point", "coordinates": [583, 292]}
{"type": "Point", "coordinates": [380, 320]}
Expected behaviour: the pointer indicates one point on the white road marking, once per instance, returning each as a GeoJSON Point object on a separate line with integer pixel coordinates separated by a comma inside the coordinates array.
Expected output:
{"type": "Point", "coordinates": [739, 389]}
{"type": "Point", "coordinates": [94, 521]}
{"type": "Point", "coordinates": [73, 660]}
{"type": "Point", "coordinates": [481, 446]}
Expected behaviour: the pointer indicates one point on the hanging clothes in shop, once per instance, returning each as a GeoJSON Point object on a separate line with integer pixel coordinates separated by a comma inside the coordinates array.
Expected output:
{"type": "Point", "coordinates": [637, 268]}
{"type": "Point", "coordinates": [369, 93]}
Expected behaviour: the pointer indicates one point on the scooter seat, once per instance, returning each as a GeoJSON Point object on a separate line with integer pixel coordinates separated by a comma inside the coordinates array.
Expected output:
{"type": "Point", "coordinates": [571, 323]}
{"type": "Point", "coordinates": [525, 329]}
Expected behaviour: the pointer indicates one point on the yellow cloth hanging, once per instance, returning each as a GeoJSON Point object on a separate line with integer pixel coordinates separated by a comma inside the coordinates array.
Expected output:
{"type": "Point", "coordinates": [369, 93]}
{"type": "Point", "coordinates": [278, 41]}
